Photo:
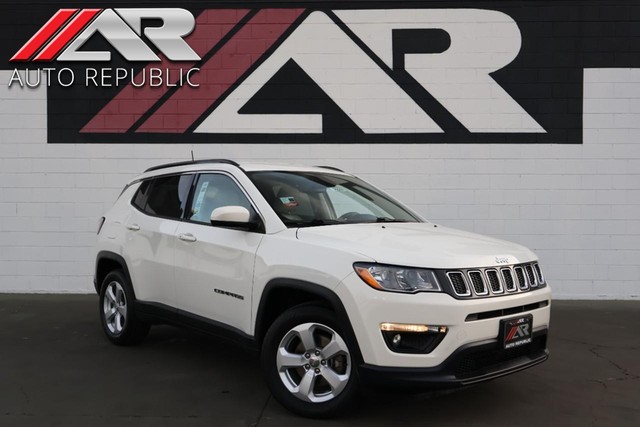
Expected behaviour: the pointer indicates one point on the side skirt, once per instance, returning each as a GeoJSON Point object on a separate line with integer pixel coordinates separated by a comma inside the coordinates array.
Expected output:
{"type": "Point", "coordinates": [157, 313]}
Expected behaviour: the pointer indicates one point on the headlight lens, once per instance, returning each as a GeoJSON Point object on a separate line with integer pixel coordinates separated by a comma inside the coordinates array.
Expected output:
{"type": "Point", "coordinates": [397, 279]}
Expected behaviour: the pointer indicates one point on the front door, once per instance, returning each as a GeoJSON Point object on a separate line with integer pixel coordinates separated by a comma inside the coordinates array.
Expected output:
{"type": "Point", "coordinates": [214, 265]}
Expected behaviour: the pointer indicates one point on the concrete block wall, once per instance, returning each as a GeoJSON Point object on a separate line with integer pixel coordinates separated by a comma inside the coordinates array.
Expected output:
{"type": "Point", "coordinates": [576, 206]}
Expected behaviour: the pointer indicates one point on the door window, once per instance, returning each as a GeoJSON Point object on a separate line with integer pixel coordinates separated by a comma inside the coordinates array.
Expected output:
{"type": "Point", "coordinates": [215, 191]}
{"type": "Point", "coordinates": [164, 196]}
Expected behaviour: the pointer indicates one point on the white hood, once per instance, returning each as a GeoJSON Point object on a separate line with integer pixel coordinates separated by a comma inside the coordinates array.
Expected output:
{"type": "Point", "coordinates": [418, 245]}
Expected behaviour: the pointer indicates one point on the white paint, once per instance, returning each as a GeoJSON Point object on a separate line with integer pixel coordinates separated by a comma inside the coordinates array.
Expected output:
{"type": "Point", "coordinates": [213, 263]}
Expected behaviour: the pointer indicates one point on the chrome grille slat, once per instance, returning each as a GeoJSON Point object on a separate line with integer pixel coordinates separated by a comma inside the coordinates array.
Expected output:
{"type": "Point", "coordinates": [495, 281]}
{"type": "Point", "coordinates": [507, 277]}
{"type": "Point", "coordinates": [477, 282]}
{"type": "Point", "coordinates": [459, 284]}
{"type": "Point", "coordinates": [531, 276]}
{"type": "Point", "coordinates": [536, 266]}
{"type": "Point", "coordinates": [522, 281]}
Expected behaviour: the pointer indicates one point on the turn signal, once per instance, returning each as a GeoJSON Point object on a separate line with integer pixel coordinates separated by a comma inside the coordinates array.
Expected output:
{"type": "Point", "coordinates": [404, 327]}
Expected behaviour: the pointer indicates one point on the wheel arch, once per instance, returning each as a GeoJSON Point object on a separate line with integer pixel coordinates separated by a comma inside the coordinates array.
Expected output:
{"type": "Point", "coordinates": [281, 294]}
{"type": "Point", "coordinates": [106, 262]}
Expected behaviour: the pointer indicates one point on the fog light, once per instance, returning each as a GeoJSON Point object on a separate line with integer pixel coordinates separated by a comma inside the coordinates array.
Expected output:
{"type": "Point", "coordinates": [409, 338]}
{"type": "Point", "coordinates": [396, 340]}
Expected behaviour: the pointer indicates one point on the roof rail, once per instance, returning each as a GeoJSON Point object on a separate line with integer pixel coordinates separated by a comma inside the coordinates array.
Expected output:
{"type": "Point", "coordinates": [193, 162]}
{"type": "Point", "coordinates": [330, 167]}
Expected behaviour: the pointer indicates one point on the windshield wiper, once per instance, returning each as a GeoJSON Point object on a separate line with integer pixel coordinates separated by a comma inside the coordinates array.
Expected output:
{"type": "Point", "coordinates": [313, 223]}
{"type": "Point", "coordinates": [387, 219]}
{"type": "Point", "coordinates": [318, 222]}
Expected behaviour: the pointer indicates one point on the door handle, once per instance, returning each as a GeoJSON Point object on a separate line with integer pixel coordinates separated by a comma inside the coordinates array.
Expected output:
{"type": "Point", "coordinates": [133, 227]}
{"type": "Point", "coordinates": [188, 237]}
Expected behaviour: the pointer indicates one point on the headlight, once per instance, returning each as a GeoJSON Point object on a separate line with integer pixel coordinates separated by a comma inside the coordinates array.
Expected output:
{"type": "Point", "coordinates": [397, 279]}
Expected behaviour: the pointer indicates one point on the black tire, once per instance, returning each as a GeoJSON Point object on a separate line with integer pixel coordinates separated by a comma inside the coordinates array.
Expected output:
{"type": "Point", "coordinates": [129, 330]}
{"type": "Point", "coordinates": [280, 381]}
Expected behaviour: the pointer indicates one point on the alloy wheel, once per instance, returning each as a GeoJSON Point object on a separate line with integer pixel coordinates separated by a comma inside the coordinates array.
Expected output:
{"type": "Point", "coordinates": [114, 306]}
{"type": "Point", "coordinates": [313, 362]}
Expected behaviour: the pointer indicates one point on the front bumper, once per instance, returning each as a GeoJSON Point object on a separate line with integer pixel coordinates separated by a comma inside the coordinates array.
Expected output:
{"type": "Point", "coordinates": [470, 322]}
{"type": "Point", "coordinates": [470, 364]}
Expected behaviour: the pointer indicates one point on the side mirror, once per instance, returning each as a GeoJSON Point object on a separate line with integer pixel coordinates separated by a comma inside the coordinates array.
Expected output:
{"type": "Point", "coordinates": [233, 217]}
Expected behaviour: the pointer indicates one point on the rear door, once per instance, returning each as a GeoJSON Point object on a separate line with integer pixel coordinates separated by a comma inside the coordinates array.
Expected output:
{"type": "Point", "coordinates": [150, 242]}
{"type": "Point", "coordinates": [214, 265]}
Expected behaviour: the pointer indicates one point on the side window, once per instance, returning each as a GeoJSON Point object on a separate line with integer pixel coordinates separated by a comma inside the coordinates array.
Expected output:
{"type": "Point", "coordinates": [167, 196]}
{"type": "Point", "coordinates": [214, 191]}
{"type": "Point", "coordinates": [140, 198]}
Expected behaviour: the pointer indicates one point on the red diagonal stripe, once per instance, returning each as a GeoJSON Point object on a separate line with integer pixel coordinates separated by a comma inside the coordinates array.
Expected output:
{"type": "Point", "coordinates": [512, 332]}
{"type": "Point", "coordinates": [43, 35]}
{"type": "Point", "coordinates": [67, 34]}
{"type": "Point", "coordinates": [132, 102]}
{"type": "Point", "coordinates": [221, 71]}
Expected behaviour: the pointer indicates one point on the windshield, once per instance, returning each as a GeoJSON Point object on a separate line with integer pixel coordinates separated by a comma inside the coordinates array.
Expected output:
{"type": "Point", "coordinates": [303, 199]}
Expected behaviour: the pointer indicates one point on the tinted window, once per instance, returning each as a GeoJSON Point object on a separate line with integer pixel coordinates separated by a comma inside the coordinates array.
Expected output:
{"type": "Point", "coordinates": [140, 198]}
{"type": "Point", "coordinates": [214, 191]}
{"type": "Point", "coordinates": [166, 196]}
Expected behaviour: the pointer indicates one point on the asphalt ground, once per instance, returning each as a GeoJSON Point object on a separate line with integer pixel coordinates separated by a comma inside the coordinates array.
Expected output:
{"type": "Point", "coordinates": [57, 369]}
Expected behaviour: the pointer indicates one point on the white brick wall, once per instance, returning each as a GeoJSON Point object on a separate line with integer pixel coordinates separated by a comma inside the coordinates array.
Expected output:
{"type": "Point", "coordinates": [577, 206]}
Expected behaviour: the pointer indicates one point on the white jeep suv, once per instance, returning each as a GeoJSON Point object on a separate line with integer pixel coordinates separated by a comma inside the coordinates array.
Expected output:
{"type": "Point", "coordinates": [333, 281]}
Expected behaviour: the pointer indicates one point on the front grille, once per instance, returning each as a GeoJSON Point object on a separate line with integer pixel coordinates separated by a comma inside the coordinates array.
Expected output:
{"type": "Point", "coordinates": [508, 279]}
{"type": "Point", "coordinates": [522, 283]}
{"type": "Point", "coordinates": [458, 283]}
{"type": "Point", "coordinates": [538, 272]}
{"type": "Point", "coordinates": [478, 283]}
{"type": "Point", "coordinates": [532, 278]}
{"type": "Point", "coordinates": [493, 281]}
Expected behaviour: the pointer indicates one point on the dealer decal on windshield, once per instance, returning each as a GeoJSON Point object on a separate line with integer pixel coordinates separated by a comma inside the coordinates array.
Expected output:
{"type": "Point", "coordinates": [289, 202]}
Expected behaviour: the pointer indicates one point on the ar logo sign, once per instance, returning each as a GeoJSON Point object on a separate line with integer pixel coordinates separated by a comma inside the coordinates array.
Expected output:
{"type": "Point", "coordinates": [328, 47]}
{"type": "Point", "coordinates": [64, 34]}
{"type": "Point", "coordinates": [520, 331]}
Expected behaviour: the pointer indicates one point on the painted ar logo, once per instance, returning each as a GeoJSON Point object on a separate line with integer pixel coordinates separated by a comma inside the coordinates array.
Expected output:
{"type": "Point", "coordinates": [66, 32]}
{"type": "Point", "coordinates": [459, 78]}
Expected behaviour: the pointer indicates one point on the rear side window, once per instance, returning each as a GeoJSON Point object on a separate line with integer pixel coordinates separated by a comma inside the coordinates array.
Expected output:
{"type": "Point", "coordinates": [164, 196]}
{"type": "Point", "coordinates": [140, 198]}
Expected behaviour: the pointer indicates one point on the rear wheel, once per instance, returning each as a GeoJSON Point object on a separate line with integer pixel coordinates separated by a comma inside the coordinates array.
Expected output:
{"type": "Point", "coordinates": [119, 321]}
{"type": "Point", "coordinates": [308, 364]}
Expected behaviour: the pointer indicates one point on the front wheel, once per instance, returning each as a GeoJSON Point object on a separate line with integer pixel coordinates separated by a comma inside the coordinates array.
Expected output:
{"type": "Point", "coordinates": [308, 364]}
